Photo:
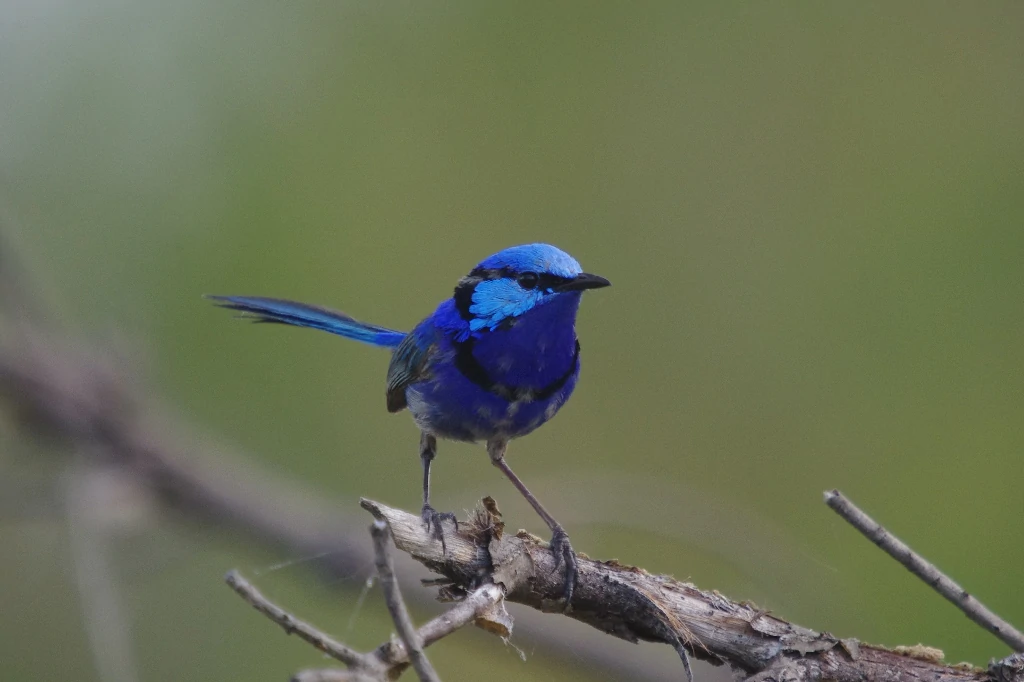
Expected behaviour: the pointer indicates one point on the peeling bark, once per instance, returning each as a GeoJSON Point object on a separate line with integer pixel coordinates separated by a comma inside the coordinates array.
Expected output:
{"type": "Point", "coordinates": [632, 604]}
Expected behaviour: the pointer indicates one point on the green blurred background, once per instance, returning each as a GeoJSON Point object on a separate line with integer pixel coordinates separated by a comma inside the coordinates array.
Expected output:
{"type": "Point", "coordinates": [811, 214]}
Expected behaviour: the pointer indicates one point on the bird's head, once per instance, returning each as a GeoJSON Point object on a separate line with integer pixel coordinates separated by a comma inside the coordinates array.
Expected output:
{"type": "Point", "coordinates": [513, 282]}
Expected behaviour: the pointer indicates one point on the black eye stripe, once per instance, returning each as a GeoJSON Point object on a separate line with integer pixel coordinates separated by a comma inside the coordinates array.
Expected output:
{"type": "Point", "coordinates": [541, 280]}
{"type": "Point", "coordinates": [545, 279]}
{"type": "Point", "coordinates": [464, 296]}
{"type": "Point", "coordinates": [491, 273]}
{"type": "Point", "coordinates": [548, 281]}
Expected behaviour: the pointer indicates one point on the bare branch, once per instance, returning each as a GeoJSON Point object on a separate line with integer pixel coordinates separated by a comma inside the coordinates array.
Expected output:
{"type": "Point", "coordinates": [292, 625]}
{"type": "Point", "coordinates": [386, 662]}
{"type": "Point", "coordinates": [925, 570]}
{"type": "Point", "coordinates": [485, 607]}
{"type": "Point", "coordinates": [396, 605]}
{"type": "Point", "coordinates": [632, 604]}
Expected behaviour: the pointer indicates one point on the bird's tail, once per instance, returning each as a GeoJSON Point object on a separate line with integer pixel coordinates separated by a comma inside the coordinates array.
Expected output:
{"type": "Point", "coordinates": [279, 311]}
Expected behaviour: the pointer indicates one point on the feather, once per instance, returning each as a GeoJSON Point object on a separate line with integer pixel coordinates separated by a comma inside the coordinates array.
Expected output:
{"type": "Point", "coordinates": [280, 311]}
{"type": "Point", "coordinates": [409, 364]}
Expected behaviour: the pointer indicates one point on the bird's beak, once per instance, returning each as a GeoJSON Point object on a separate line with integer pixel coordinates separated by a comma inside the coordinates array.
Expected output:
{"type": "Point", "coordinates": [585, 280]}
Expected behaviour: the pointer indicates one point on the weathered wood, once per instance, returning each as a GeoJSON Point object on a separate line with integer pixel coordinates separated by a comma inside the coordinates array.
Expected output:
{"type": "Point", "coordinates": [633, 604]}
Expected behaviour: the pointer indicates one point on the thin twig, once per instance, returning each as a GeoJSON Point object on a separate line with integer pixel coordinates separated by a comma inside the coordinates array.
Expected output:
{"type": "Point", "coordinates": [291, 625]}
{"type": "Point", "coordinates": [924, 570]}
{"type": "Point", "coordinates": [388, 660]}
{"type": "Point", "coordinates": [396, 605]}
{"type": "Point", "coordinates": [684, 657]}
{"type": "Point", "coordinates": [470, 609]}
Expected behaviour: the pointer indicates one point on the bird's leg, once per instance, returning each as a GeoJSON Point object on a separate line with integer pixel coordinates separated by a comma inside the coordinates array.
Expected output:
{"type": "Point", "coordinates": [432, 519]}
{"type": "Point", "coordinates": [560, 547]}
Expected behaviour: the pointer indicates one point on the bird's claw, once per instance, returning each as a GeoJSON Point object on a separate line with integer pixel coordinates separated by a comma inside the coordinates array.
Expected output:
{"type": "Point", "coordinates": [564, 554]}
{"type": "Point", "coordinates": [432, 520]}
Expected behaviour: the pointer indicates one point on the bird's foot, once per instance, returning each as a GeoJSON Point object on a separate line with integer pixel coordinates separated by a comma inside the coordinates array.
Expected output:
{"type": "Point", "coordinates": [564, 554]}
{"type": "Point", "coordinates": [432, 520]}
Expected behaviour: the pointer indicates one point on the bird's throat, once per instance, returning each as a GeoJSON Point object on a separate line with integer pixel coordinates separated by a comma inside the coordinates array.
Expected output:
{"type": "Point", "coordinates": [530, 359]}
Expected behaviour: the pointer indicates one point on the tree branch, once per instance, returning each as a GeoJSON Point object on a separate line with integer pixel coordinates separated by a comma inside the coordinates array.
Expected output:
{"type": "Point", "coordinates": [925, 570]}
{"type": "Point", "coordinates": [396, 605]}
{"type": "Point", "coordinates": [390, 659]}
{"type": "Point", "coordinates": [632, 604]}
{"type": "Point", "coordinates": [290, 624]}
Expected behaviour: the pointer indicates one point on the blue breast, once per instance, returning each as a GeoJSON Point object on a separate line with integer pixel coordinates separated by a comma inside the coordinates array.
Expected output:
{"type": "Point", "coordinates": [497, 384]}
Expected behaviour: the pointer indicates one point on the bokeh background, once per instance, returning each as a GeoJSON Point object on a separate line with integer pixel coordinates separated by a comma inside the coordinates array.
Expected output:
{"type": "Point", "coordinates": [811, 214]}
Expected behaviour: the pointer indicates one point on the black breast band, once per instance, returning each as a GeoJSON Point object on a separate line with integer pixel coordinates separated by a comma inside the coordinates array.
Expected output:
{"type": "Point", "coordinates": [471, 368]}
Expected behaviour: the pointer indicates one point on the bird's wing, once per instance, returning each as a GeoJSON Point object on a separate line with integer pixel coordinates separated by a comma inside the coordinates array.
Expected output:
{"type": "Point", "coordinates": [409, 364]}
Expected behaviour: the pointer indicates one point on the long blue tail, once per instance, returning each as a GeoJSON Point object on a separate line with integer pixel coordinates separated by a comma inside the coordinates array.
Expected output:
{"type": "Point", "coordinates": [279, 311]}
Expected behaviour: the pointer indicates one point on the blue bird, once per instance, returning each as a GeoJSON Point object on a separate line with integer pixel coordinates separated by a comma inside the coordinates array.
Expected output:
{"type": "Point", "coordinates": [491, 363]}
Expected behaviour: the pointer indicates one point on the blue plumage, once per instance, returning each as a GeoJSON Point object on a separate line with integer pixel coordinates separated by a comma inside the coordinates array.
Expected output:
{"type": "Point", "coordinates": [304, 315]}
{"type": "Point", "coordinates": [491, 363]}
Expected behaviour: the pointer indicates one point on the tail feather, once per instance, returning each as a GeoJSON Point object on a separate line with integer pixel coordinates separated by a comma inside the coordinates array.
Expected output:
{"type": "Point", "coordinates": [280, 311]}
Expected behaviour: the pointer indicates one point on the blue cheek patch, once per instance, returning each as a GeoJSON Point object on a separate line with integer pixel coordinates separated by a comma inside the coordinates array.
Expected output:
{"type": "Point", "coordinates": [496, 300]}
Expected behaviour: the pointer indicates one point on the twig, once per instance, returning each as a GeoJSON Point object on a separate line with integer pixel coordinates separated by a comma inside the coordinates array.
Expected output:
{"type": "Point", "coordinates": [925, 570]}
{"type": "Point", "coordinates": [386, 662]}
{"type": "Point", "coordinates": [292, 625]}
{"type": "Point", "coordinates": [485, 607]}
{"type": "Point", "coordinates": [396, 605]}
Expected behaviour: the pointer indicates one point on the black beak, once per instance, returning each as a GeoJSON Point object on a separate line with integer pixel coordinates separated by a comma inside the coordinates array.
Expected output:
{"type": "Point", "coordinates": [584, 280]}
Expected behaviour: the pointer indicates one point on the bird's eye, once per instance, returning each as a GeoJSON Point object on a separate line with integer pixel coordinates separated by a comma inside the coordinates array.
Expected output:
{"type": "Point", "coordinates": [528, 280]}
